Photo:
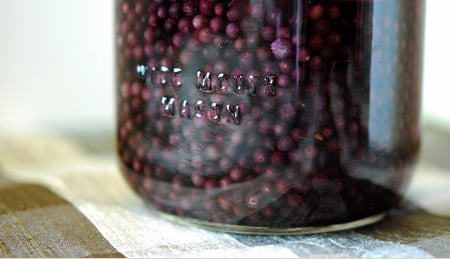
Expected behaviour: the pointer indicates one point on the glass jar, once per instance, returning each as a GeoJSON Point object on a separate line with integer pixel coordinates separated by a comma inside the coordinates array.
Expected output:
{"type": "Point", "coordinates": [266, 116]}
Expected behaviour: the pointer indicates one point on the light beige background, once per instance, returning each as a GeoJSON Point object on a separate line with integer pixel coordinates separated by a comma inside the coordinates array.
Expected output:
{"type": "Point", "coordinates": [56, 63]}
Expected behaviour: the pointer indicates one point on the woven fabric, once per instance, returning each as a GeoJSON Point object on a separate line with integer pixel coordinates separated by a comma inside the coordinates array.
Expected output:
{"type": "Point", "coordinates": [35, 222]}
{"type": "Point", "coordinates": [98, 215]}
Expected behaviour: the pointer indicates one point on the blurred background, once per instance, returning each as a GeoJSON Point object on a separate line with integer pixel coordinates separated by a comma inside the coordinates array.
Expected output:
{"type": "Point", "coordinates": [56, 65]}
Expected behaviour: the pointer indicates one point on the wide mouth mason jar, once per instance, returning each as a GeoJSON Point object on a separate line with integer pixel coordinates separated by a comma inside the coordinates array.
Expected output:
{"type": "Point", "coordinates": [266, 116]}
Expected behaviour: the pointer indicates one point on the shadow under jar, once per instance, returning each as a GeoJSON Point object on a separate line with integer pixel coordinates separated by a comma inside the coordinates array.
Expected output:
{"type": "Point", "coordinates": [269, 117]}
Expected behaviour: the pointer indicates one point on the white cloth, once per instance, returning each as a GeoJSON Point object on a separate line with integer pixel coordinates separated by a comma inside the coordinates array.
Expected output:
{"type": "Point", "coordinates": [95, 186]}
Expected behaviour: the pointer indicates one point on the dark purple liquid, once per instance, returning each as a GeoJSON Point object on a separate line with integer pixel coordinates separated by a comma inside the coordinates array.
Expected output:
{"type": "Point", "coordinates": [269, 113]}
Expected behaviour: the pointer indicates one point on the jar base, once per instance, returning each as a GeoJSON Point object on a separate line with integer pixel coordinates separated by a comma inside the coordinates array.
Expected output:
{"type": "Point", "coordinates": [249, 230]}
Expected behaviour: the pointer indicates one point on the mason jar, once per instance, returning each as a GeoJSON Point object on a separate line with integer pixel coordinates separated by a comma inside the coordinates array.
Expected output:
{"type": "Point", "coordinates": [266, 116]}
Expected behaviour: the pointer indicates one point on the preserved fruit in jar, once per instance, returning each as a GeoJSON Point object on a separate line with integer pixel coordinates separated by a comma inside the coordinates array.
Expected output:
{"type": "Point", "coordinates": [265, 116]}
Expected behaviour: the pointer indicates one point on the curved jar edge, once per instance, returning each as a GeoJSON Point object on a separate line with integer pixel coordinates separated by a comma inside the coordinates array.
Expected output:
{"type": "Point", "coordinates": [249, 230]}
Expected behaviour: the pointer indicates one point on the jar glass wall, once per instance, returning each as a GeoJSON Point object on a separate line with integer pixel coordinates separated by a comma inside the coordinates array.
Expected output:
{"type": "Point", "coordinates": [269, 116]}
